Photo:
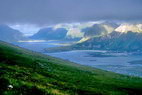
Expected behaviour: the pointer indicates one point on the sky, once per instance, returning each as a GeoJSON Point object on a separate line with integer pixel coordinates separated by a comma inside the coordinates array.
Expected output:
{"type": "Point", "coordinates": [47, 12]}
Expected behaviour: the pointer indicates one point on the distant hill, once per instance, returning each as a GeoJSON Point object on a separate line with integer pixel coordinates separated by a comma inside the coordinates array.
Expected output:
{"type": "Point", "coordinates": [50, 34]}
{"type": "Point", "coordinates": [10, 35]}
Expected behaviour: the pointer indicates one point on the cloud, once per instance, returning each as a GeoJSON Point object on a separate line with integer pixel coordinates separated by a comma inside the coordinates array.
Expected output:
{"type": "Point", "coordinates": [27, 29]}
{"type": "Point", "coordinates": [61, 11]}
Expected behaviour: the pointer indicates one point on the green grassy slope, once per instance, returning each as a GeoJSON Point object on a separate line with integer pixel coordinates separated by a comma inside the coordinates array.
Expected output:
{"type": "Point", "coordinates": [32, 73]}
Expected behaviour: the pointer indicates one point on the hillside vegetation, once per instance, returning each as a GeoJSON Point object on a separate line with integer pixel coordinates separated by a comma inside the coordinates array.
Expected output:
{"type": "Point", "coordinates": [24, 72]}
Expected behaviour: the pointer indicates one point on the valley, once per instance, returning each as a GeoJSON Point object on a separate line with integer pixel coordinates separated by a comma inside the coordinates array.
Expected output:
{"type": "Point", "coordinates": [27, 72]}
{"type": "Point", "coordinates": [105, 60]}
{"type": "Point", "coordinates": [70, 47]}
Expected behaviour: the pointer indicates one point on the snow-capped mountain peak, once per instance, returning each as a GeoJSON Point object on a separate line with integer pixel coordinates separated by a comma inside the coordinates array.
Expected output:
{"type": "Point", "coordinates": [124, 28]}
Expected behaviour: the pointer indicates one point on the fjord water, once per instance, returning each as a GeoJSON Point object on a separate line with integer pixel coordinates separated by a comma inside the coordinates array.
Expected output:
{"type": "Point", "coordinates": [118, 63]}
{"type": "Point", "coordinates": [115, 62]}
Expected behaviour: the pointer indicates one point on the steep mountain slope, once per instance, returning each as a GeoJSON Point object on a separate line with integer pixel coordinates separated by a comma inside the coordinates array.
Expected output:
{"type": "Point", "coordinates": [98, 30]}
{"type": "Point", "coordinates": [10, 35]}
{"type": "Point", "coordinates": [24, 73]}
{"type": "Point", "coordinates": [116, 41]}
{"type": "Point", "coordinates": [50, 34]}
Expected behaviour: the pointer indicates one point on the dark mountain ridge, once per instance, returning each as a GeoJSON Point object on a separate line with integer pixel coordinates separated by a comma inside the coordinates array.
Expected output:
{"type": "Point", "coordinates": [10, 35]}
{"type": "Point", "coordinates": [50, 34]}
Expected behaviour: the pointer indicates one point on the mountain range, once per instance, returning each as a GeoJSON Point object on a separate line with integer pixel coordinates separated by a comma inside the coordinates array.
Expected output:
{"type": "Point", "coordinates": [124, 38]}
{"type": "Point", "coordinates": [112, 37]}
{"type": "Point", "coordinates": [106, 36]}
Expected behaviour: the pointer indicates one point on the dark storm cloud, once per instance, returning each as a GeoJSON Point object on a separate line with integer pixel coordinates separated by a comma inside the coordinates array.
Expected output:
{"type": "Point", "coordinates": [57, 11]}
